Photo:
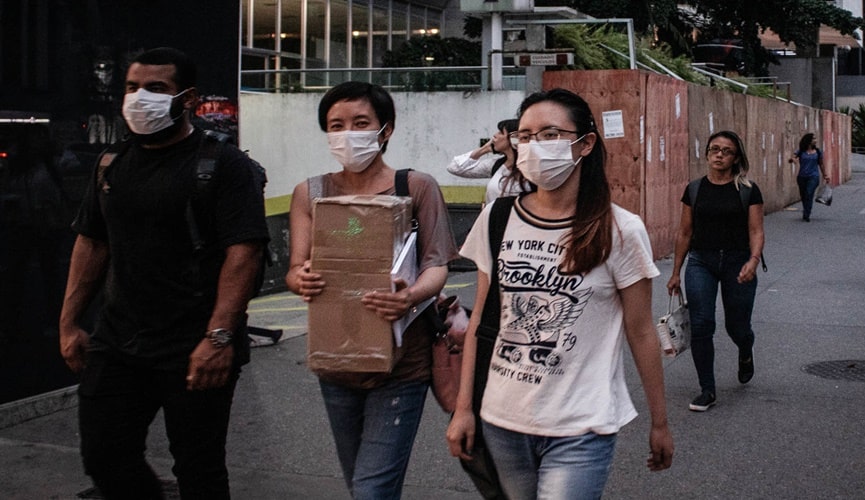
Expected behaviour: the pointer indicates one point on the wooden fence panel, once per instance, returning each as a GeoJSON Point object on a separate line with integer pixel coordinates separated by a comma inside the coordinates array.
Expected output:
{"type": "Point", "coordinates": [662, 146]}
{"type": "Point", "coordinates": [666, 166]}
{"type": "Point", "coordinates": [613, 91]}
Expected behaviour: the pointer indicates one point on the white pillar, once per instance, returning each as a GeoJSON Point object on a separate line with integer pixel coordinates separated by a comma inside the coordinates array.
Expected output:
{"type": "Point", "coordinates": [496, 43]}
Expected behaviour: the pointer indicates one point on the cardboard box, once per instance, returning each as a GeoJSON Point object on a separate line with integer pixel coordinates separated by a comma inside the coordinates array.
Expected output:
{"type": "Point", "coordinates": [355, 240]}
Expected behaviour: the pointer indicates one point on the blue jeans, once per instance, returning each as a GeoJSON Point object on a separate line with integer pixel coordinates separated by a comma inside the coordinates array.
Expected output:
{"type": "Point", "coordinates": [566, 468]}
{"type": "Point", "coordinates": [374, 430]}
{"type": "Point", "coordinates": [807, 188]}
{"type": "Point", "coordinates": [705, 271]}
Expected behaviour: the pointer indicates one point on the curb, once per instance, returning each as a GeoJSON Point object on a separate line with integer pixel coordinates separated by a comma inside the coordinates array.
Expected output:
{"type": "Point", "coordinates": [15, 412]}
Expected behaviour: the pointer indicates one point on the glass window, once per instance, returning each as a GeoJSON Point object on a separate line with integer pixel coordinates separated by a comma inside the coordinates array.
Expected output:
{"type": "Point", "coordinates": [290, 36]}
{"type": "Point", "coordinates": [263, 24]}
{"type": "Point", "coordinates": [338, 34]}
{"type": "Point", "coordinates": [316, 41]}
{"type": "Point", "coordinates": [359, 34]}
{"type": "Point", "coordinates": [399, 23]}
{"type": "Point", "coordinates": [263, 36]}
{"type": "Point", "coordinates": [417, 22]}
{"type": "Point", "coordinates": [433, 21]}
{"type": "Point", "coordinates": [380, 32]}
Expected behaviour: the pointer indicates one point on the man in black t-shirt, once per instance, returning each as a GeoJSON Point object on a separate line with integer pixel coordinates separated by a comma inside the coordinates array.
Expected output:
{"type": "Point", "coordinates": [171, 329]}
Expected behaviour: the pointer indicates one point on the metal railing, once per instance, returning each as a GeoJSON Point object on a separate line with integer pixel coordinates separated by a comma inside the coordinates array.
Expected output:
{"type": "Point", "coordinates": [419, 79]}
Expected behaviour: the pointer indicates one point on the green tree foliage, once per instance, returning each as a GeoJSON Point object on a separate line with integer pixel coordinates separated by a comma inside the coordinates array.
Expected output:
{"type": "Point", "coordinates": [473, 27]}
{"type": "Point", "coordinates": [795, 21]}
{"type": "Point", "coordinates": [660, 20]}
{"type": "Point", "coordinates": [605, 47]}
{"type": "Point", "coordinates": [435, 51]}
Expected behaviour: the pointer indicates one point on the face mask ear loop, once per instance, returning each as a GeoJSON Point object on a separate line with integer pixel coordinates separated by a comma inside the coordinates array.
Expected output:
{"type": "Point", "coordinates": [183, 108]}
{"type": "Point", "coordinates": [578, 139]}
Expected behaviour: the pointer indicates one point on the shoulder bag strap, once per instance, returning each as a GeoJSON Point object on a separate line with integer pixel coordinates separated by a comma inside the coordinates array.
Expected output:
{"type": "Point", "coordinates": [488, 330]}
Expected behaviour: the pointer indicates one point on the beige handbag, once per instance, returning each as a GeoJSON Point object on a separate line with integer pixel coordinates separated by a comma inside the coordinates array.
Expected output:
{"type": "Point", "coordinates": [674, 329]}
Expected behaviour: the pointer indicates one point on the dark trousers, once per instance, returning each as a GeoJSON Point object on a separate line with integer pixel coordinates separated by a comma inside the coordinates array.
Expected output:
{"type": "Point", "coordinates": [807, 188]}
{"type": "Point", "coordinates": [706, 271]}
{"type": "Point", "coordinates": [117, 404]}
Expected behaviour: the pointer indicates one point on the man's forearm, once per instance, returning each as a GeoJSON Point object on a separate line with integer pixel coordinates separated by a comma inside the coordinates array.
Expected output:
{"type": "Point", "coordinates": [87, 268]}
{"type": "Point", "coordinates": [236, 283]}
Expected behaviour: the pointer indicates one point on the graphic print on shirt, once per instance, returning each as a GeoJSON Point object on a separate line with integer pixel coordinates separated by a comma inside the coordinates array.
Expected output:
{"type": "Point", "coordinates": [540, 307]}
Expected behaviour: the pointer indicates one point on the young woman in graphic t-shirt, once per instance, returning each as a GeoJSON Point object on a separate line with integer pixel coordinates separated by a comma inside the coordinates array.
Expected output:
{"type": "Point", "coordinates": [574, 274]}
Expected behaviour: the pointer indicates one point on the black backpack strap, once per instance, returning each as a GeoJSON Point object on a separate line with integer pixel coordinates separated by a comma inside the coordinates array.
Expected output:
{"type": "Point", "coordinates": [209, 151]}
{"type": "Point", "coordinates": [498, 164]}
{"type": "Point", "coordinates": [488, 330]}
{"type": "Point", "coordinates": [106, 160]}
{"type": "Point", "coordinates": [693, 189]}
{"type": "Point", "coordinates": [400, 184]}
{"type": "Point", "coordinates": [745, 197]}
{"type": "Point", "coordinates": [499, 214]}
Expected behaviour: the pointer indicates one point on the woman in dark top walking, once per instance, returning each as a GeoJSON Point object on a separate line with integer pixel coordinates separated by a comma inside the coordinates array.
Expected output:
{"type": "Point", "coordinates": [722, 234]}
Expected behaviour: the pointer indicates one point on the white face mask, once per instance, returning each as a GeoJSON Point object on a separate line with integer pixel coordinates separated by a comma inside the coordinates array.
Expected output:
{"type": "Point", "coordinates": [148, 112]}
{"type": "Point", "coordinates": [354, 149]}
{"type": "Point", "coordinates": [547, 164]}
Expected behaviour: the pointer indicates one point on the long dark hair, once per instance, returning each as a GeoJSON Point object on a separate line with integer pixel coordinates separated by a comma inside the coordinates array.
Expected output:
{"type": "Point", "coordinates": [805, 142]}
{"type": "Point", "coordinates": [514, 175]}
{"type": "Point", "coordinates": [590, 238]}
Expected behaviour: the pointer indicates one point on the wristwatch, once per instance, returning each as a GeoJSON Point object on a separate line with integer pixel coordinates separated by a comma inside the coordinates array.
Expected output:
{"type": "Point", "coordinates": [220, 337]}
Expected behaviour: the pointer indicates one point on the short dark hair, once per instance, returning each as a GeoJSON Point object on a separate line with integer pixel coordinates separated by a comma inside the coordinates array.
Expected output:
{"type": "Point", "coordinates": [375, 95]}
{"type": "Point", "coordinates": [510, 125]}
{"type": "Point", "coordinates": [185, 71]}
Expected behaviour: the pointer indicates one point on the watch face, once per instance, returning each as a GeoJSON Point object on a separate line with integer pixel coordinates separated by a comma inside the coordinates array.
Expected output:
{"type": "Point", "coordinates": [220, 337]}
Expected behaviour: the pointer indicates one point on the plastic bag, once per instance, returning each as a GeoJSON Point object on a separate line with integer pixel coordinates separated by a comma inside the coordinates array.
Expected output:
{"type": "Point", "coordinates": [674, 329]}
{"type": "Point", "coordinates": [824, 194]}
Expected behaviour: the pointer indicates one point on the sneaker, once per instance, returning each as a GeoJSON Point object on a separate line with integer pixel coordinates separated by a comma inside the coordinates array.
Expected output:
{"type": "Point", "coordinates": [746, 368]}
{"type": "Point", "coordinates": [703, 401]}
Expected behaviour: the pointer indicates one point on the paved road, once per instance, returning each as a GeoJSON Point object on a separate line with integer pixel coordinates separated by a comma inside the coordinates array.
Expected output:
{"type": "Point", "coordinates": [789, 434]}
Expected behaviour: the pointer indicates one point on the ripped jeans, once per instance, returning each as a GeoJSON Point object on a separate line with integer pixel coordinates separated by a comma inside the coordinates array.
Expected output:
{"type": "Point", "coordinates": [374, 430]}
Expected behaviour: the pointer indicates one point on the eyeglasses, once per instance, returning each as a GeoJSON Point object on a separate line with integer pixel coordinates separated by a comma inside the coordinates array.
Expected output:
{"type": "Point", "coordinates": [544, 134]}
{"type": "Point", "coordinates": [724, 151]}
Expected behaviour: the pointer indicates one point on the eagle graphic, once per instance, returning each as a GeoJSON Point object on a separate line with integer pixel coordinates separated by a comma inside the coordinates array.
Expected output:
{"type": "Point", "coordinates": [539, 321]}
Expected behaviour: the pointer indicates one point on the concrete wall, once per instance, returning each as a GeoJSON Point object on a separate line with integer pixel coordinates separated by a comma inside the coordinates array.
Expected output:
{"type": "Point", "coordinates": [796, 71]}
{"type": "Point", "coordinates": [850, 91]}
{"type": "Point", "coordinates": [281, 131]}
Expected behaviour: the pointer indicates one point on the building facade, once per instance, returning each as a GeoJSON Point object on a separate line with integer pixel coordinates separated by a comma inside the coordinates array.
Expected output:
{"type": "Point", "coordinates": [314, 42]}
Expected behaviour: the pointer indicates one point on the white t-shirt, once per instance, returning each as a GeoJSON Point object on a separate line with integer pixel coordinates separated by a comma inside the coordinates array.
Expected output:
{"type": "Point", "coordinates": [557, 367]}
{"type": "Point", "coordinates": [466, 166]}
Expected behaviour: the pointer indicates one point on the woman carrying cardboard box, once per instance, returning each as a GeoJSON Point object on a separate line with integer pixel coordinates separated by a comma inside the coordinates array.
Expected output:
{"type": "Point", "coordinates": [374, 416]}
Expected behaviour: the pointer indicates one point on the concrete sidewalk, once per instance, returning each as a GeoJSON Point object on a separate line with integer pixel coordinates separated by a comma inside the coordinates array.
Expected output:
{"type": "Point", "coordinates": [794, 432]}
